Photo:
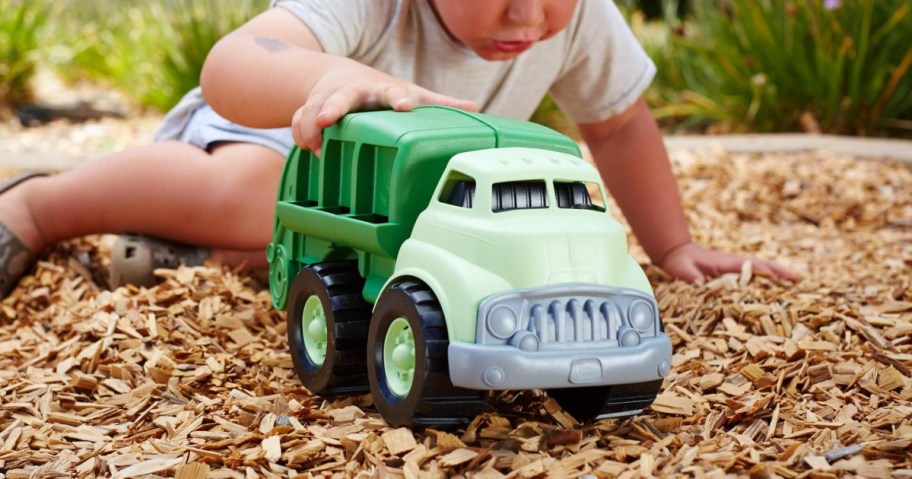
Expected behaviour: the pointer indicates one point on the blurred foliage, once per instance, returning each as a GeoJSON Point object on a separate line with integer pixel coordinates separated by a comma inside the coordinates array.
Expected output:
{"type": "Point", "coordinates": [656, 9]}
{"type": "Point", "coordinates": [154, 50]}
{"type": "Point", "coordinates": [785, 65]}
{"type": "Point", "coordinates": [550, 115]}
{"type": "Point", "coordinates": [836, 66]}
{"type": "Point", "coordinates": [22, 23]}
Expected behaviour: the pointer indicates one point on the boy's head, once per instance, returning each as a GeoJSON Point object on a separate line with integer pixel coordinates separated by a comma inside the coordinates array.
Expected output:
{"type": "Point", "coordinates": [502, 29]}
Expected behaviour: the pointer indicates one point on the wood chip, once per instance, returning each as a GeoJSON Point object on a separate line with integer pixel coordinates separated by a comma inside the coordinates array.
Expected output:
{"type": "Point", "coordinates": [399, 441]}
{"type": "Point", "coordinates": [192, 378]}
{"type": "Point", "coordinates": [457, 457]}
{"type": "Point", "coordinates": [670, 404]}
{"type": "Point", "coordinates": [192, 471]}
{"type": "Point", "coordinates": [273, 447]}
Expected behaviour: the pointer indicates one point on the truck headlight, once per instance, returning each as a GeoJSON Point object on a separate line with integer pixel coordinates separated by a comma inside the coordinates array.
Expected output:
{"type": "Point", "coordinates": [628, 337]}
{"type": "Point", "coordinates": [502, 322]}
{"type": "Point", "coordinates": [525, 340]}
{"type": "Point", "coordinates": [641, 316]}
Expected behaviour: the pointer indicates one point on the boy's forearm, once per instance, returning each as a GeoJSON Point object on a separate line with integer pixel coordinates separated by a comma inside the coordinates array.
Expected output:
{"type": "Point", "coordinates": [634, 165]}
{"type": "Point", "coordinates": [260, 82]}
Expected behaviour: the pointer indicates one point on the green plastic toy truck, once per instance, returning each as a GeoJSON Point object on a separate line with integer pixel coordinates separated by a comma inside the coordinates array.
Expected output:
{"type": "Point", "coordinates": [432, 255]}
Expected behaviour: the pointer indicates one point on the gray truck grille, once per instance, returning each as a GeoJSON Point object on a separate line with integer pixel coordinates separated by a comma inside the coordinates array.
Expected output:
{"type": "Point", "coordinates": [573, 320]}
{"type": "Point", "coordinates": [565, 316]}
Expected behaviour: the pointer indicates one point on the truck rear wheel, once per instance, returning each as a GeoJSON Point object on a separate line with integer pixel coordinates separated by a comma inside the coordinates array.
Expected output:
{"type": "Point", "coordinates": [407, 364]}
{"type": "Point", "coordinates": [588, 403]}
{"type": "Point", "coordinates": [327, 328]}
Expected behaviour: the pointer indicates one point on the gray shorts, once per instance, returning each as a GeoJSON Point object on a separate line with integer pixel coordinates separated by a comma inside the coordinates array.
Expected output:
{"type": "Point", "coordinates": [195, 122]}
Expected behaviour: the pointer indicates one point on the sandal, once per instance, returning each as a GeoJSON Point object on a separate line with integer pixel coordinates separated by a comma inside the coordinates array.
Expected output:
{"type": "Point", "coordinates": [15, 257]}
{"type": "Point", "coordinates": [134, 259]}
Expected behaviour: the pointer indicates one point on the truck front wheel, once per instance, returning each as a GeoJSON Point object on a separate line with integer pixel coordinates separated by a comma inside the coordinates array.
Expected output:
{"type": "Point", "coordinates": [407, 362]}
{"type": "Point", "coordinates": [327, 328]}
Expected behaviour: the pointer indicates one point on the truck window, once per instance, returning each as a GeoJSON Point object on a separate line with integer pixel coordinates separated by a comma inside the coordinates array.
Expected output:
{"type": "Point", "coordinates": [459, 190]}
{"type": "Point", "coordinates": [576, 195]}
{"type": "Point", "coordinates": [519, 195]}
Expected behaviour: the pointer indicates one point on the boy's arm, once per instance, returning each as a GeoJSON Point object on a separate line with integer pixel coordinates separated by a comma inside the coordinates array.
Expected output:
{"type": "Point", "coordinates": [272, 72]}
{"type": "Point", "coordinates": [629, 152]}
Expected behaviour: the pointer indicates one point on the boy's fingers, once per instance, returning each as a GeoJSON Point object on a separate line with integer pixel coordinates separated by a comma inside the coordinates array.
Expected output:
{"type": "Point", "coordinates": [304, 129]}
{"type": "Point", "coordinates": [763, 268]}
{"type": "Point", "coordinates": [724, 264]}
{"type": "Point", "coordinates": [782, 272]}
{"type": "Point", "coordinates": [430, 98]}
{"type": "Point", "coordinates": [467, 105]}
{"type": "Point", "coordinates": [685, 270]}
{"type": "Point", "coordinates": [397, 98]}
{"type": "Point", "coordinates": [355, 97]}
{"type": "Point", "coordinates": [337, 105]}
{"type": "Point", "coordinates": [323, 110]}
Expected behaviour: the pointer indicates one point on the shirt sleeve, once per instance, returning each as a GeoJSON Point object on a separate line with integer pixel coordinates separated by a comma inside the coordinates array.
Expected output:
{"type": "Point", "coordinates": [343, 27]}
{"type": "Point", "coordinates": [606, 69]}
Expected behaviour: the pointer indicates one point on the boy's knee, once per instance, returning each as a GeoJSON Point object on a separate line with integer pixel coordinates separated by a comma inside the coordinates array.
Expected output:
{"type": "Point", "coordinates": [244, 174]}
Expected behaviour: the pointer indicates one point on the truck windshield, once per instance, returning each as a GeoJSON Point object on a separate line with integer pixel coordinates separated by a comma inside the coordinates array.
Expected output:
{"type": "Point", "coordinates": [519, 195]}
{"type": "Point", "coordinates": [461, 194]}
{"type": "Point", "coordinates": [576, 195]}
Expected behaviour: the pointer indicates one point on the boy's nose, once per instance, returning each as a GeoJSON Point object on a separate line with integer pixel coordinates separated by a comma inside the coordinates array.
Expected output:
{"type": "Point", "coordinates": [526, 12]}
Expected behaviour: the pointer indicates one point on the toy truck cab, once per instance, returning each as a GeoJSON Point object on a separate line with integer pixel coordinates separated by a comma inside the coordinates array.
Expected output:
{"type": "Point", "coordinates": [497, 270]}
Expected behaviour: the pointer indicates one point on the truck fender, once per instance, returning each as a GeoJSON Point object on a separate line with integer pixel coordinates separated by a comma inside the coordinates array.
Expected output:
{"type": "Point", "coordinates": [458, 284]}
{"type": "Point", "coordinates": [634, 277]}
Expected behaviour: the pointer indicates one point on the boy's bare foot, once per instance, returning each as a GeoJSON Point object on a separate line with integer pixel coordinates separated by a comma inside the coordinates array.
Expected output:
{"type": "Point", "coordinates": [20, 238]}
{"type": "Point", "coordinates": [16, 214]}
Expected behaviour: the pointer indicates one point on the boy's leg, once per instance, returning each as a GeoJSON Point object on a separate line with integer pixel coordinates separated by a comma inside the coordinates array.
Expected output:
{"type": "Point", "coordinates": [223, 200]}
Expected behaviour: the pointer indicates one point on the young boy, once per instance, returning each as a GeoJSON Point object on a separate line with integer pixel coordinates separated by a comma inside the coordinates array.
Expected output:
{"type": "Point", "coordinates": [304, 64]}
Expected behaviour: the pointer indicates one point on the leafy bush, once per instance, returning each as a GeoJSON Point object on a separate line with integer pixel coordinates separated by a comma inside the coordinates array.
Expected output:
{"type": "Point", "coordinates": [786, 65]}
{"type": "Point", "coordinates": [547, 113]}
{"type": "Point", "coordinates": [21, 25]}
{"type": "Point", "coordinates": [152, 50]}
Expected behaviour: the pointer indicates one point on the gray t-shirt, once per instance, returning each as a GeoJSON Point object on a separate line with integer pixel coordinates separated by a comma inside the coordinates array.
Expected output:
{"type": "Point", "coordinates": [594, 68]}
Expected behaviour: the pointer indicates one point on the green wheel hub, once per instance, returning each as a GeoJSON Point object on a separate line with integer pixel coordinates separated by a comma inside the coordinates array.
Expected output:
{"type": "Point", "coordinates": [313, 330]}
{"type": "Point", "coordinates": [399, 356]}
{"type": "Point", "coordinates": [279, 275]}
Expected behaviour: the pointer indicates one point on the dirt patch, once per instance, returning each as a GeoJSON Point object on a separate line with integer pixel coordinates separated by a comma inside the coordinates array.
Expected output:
{"type": "Point", "coordinates": [192, 378]}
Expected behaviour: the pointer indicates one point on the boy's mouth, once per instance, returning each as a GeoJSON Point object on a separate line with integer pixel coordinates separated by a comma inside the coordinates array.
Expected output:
{"type": "Point", "coordinates": [511, 46]}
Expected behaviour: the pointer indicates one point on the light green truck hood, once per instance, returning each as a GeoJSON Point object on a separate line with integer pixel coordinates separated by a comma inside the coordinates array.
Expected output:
{"type": "Point", "coordinates": [577, 248]}
{"type": "Point", "coordinates": [465, 264]}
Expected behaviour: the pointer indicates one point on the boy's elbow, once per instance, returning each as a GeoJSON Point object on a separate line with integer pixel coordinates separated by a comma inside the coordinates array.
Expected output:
{"type": "Point", "coordinates": [212, 80]}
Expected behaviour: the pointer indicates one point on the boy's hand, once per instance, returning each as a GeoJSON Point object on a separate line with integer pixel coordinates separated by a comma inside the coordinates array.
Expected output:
{"type": "Point", "coordinates": [693, 263]}
{"type": "Point", "coordinates": [355, 87]}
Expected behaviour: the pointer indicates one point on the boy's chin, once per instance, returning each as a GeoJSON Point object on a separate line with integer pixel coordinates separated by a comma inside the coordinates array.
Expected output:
{"type": "Point", "coordinates": [496, 55]}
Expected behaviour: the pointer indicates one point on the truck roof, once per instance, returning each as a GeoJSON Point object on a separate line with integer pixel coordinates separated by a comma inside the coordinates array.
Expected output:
{"type": "Point", "coordinates": [391, 128]}
{"type": "Point", "coordinates": [505, 164]}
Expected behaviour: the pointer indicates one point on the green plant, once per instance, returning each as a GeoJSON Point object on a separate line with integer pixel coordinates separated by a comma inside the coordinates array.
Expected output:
{"type": "Point", "coordinates": [154, 51]}
{"type": "Point", "coordinates": [549, 114]}
{"type": "Point", "coordinates": [786, 65]}
{"type": "Point", "coordinates": [21, 25]}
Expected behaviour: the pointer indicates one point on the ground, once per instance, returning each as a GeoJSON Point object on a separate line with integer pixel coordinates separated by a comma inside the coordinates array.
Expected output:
{"type": "Point", "coordinates": [770, 379]}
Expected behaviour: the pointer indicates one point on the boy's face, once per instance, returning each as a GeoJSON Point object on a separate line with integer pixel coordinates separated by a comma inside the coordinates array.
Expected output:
{"type": "Point", "coordinates": [502, 29]}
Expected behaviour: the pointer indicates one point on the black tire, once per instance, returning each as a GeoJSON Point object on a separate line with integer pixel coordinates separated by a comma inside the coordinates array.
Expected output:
{"type": "Point", "coordinates": [432, 399]}
{"type": "Point", "coordinates": [338, 287]}
{"type": "Point", "coordinates": [587, 403]}
{"type": "Point", "coordinates": [584, 404]}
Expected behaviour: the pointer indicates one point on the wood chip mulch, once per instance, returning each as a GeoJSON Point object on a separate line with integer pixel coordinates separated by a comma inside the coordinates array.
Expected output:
{"type": "Point", "coordinates": [192, 378]}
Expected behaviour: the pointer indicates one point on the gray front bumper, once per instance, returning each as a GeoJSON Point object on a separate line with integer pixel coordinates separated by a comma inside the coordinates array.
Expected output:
{"type": "Point", "coordinates": [477, 366]}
